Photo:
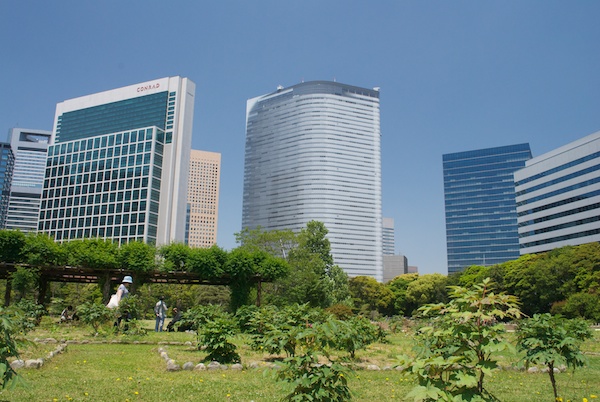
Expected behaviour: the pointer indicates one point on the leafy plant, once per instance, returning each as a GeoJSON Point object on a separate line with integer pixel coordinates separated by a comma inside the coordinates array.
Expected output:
{"type": "Point", "coordinates": [215, 336]}
{"type": "Point", "coordinates": [553, 340]}
{"type": "Point", "coordinates": [94, 314]}
{"type": "Point", "coordinates": [27, 315]}
{"type": "Point", "coordinates": [356, 333]}
{"type": "Point", "coordinates": [8, 348]}
{"type": "Point", "coordinates": [313, 381]}
{"type": "Point", "coordinates": [456, 350]}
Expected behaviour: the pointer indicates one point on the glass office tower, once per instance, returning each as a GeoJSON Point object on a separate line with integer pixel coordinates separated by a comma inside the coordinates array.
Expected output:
{"type": "Point", "coordinates": [118, 162]}
{"type": "Point", "coordinates": [313, 153]}
{"type": "Point", "coordinates": [558, 197]}
{"type": "Point", "coordinates": [481, 216]}
{"type": "Point", "coordinates": [31, 150]}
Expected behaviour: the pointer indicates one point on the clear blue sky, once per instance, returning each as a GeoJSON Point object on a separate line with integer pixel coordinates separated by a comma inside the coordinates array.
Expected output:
{"type": "Point", "coordinates": [454, 76]}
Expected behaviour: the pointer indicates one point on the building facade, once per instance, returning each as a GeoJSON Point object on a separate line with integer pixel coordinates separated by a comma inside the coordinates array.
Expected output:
{"type": "Point", "coordinates": [389, 241]}
{"type": "Point", "coordinates": [313, 153]}
{"type": "Point", "coordinates": [203, 198]}
{"type": "Point", "coordinates": [30, 148]}
{"type": "Point", "coordinates": [480, 206]}
{"type": "Point", "coordinates": [558, 197]}
{"type": "Point", "coordinates": [393, 266]}
{"type": "Point", "coordinates": [7, 163]}
{"type": "Point", "coordinates": [118, 162]}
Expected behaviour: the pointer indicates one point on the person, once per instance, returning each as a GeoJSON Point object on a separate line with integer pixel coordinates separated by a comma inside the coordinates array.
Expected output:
{"type": "Point", "coordinates": [67, 314]}
{"type": "Point", "coordinates": [160, 311]}
{"type": "Point", "coordinates": [123, 293]}
{"type": "Point", "coordinates": [177, 317]}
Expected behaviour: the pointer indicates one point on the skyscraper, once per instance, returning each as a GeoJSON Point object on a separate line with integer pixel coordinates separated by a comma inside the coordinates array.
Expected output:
{"type": "Point", "coordinates": [118, 163]}
{"type": "Point", "coordinates": [389, 242]}
{"type": "Point", "coordinates": [481, 215]}
{"type": "Point", "coordinates": [7, 163]}
{"type": "Point", "coordinates": [558, 197]}
{"type": "Point", "coordinates": [30, 148]}
{"type": "Point", "coordinates": [313, 153]}
{"type": "Point", "coordinates": [203, 198]}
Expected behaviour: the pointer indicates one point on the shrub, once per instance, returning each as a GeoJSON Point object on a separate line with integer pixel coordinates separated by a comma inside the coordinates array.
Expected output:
{"type": "Point", "coordinates": [215, 335]}
{"type": "Point", "coordinates": [8, 349]}
{"type": "Point", "coordinates": [94, 314]}
{"type": "Point", "coordinates": [553, 340]}
{"type": "Point", "coordinates": [456, 350]}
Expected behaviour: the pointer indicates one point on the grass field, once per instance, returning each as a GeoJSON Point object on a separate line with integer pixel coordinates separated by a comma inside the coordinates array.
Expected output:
{"type": "Point", "coordinates": [135, 372]}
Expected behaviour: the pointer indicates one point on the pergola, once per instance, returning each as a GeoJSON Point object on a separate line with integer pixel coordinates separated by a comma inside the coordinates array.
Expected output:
{"type": "Point", "coordinates": [109, 278]}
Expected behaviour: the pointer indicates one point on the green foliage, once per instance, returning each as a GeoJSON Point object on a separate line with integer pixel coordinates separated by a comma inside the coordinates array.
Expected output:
{"type": "Point", "coordinates": [340, 311]}
{"type": "Point", "coordinates": [8, 348]}
{"type": "Point", "coordinates": [94, 314]}
{"type": "Point", "coordinates": [369, 295]}
{"type": "Point", "coordinates": [277, 243]}
{"type": "Point", "coordinates": [175, 256]}
{"type": "Point", "coordinates": [130, 307]}
{"type": "Point", "coordinates": [41, 249]}
{"type": "Point", "coordinates": [215, 336]}
{"type": "Point", "coordinates": [458, 348]}
{"type": "Point", "coordinates": [24, 279]}
{"type": "Point", "coordinates": [426, 289]}
{"type": "Point", "coordinates": [311, 380]}
{"type": "Point", "coordinates": [92, 253]}
{"type": "Point", "coordinates": [551, 341]}
{"type": "Point", "coordinates": [27, 315]}
{"type": "Point", "coordinates": [399, 286]}
{"type": "Point", "coordinates": [137, 256]}
{"type": "Point", "coordinates": [12, 243]}
{"type": "Point", "coordinates": [580, 305]}
{"type": "Point", "coordinates": [355, 334]}
{"type": "Point", "coordinates": [196, 317]}
{"type": "Point", "coordinates": [207, 262]}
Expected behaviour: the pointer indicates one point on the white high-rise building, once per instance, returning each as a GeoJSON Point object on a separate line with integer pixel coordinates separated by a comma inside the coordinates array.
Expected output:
{"type": "Point", "coordinates": [118, 164]}
{"type": "Point", "coordinates": [558, 197]}
{"type": "Point", "coordinates": [30, 148]}
{"type": "Point", "coordinates": [313, 153]}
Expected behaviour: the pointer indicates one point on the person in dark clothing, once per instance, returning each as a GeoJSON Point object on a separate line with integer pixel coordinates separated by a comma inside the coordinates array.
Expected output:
{"type": "Point", "coordinates": [176, 317]}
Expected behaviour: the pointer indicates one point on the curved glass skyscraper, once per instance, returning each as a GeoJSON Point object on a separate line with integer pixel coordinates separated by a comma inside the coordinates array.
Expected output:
{"type": "Point", "coordinates": [313, 153]}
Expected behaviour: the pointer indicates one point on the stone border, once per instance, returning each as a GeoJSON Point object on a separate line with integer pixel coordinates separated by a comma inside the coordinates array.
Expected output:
{"type": "Point", "coordinates": [37, 363]}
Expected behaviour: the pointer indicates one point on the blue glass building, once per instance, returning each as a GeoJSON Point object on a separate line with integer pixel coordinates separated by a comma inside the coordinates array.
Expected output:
{"type": "Point", "coordinates": [481, 215]}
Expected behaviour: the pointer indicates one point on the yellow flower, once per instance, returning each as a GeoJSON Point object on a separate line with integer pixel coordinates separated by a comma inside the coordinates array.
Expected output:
{"type": "Point", "coordinates": [593, 396]}
{"type": "Point", "coordinates": [585, 400]}
{"type": "Point", "coordinates": [85, 393]}
{"type": "Point", "coordinates": [136, 393]}
{"type": "Point", "coordinates": [559, 399]}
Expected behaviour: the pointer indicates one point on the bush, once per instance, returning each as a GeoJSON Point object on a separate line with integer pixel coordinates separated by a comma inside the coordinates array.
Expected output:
{"type": "Point", "coordinates": [8, 349]}
{"type": "Point", "coordinates": [215, 335]}
{"type": "Point", "coordinates": [94, 314]}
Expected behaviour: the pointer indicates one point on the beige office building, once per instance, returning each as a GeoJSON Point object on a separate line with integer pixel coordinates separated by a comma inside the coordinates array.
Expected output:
{"type": "Point", "coordinates": [203, 198]}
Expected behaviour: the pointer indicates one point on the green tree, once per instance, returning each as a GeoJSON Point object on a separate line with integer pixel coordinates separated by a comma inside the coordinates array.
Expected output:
{"type": "Point", "coordinates": [277, 243]}
{"type": "Point", "coordinates": [399, 286]}
{"type": "Point", "coordinates": [8, 349]}
{"type": "Point", "coordinates": [209, 263]}
{"type": "Point", "coordinates": [41, 249]}
{"type": "Point", "coordinates": [369, 295]}
{"type": "Point", "coordinates": [175, 256]}
{"type": "Point", "coordinates": [551, 341]}
{"type": "Point", "coordinates": [12, 244]}
{"type": "Point", "coordinates": [456, 351]}
{"type": "Point", "coordinates": [92, 253]}
{"type": "Point", "coordinates": [426, 289]}
{"type": "Point", "coordinates": [137, 256]}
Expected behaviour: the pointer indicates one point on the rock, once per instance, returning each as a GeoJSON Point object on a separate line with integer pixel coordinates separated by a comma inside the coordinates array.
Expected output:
{"type": "Point", "coordinates": [533, 370]}
{"type": "Point", "coordinates": [17, 364]}
{"type": "Point", "coordinates": [562, 368]}
{"type": "Point", "coordinates": [373, 367]}
{"type": "Point", "coordinates": [387, 368]}
{"type": "Point", "coordinates": [160, 350]}
{"type": "Point", "coordinates": [188, 366]}
{"type": "Point", "coordinates": [171, 366]}
{"type": "Point", "coordinates": [214, 366]}
{"type": "Point", "coordinates": [33, 363]}
{"type": "Point", "coordinates": [164, 355]}
{"type": "Point", "coordinates": [50, 340]}
{"type": "Point", "coordinates": [200, 367]}
{"type": "Point", "coordinates": [170, 361]}
{"type": "Point", "coordinates": [237, 367]}
{"type": "Point", "coordinates": [400, 368]}
{"type": "Point", "coordinates": [188, 343]}
{"type": "Point", "coordinates": [254, 365]}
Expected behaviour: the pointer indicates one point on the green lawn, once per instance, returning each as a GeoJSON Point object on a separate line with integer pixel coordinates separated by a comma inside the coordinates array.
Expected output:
{"type": "Point", "coordinates": [136, 372]}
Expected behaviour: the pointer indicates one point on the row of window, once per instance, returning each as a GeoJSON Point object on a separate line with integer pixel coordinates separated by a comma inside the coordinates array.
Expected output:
{"type": "Point", "coordinates": [579, 173]}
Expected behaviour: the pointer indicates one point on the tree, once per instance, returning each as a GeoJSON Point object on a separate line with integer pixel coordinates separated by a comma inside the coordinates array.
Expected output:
{"type": "Point", "coordinates": [553, 340]}
{"type": "Point", "coordinates": [12, 243]}
{"type": "Point", "coordinates": [175, 256]}
{"type": "Point", "coordinates": [426, 289]}
{"type": "Point", "coordinates": [278, 243]}
{"type": "Point", "coordinates": [399, 287]}
{"type": "Point", "coordinates": [41, 249]}
{"type": "Point", "coordinates": [456, 351]}
{"type": "Point", "coordinates": [137, 256]}
{"type": "Point", "coordinates": [369, 295]}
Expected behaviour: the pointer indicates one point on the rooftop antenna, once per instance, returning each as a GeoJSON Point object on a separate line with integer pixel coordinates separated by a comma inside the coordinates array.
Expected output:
{"type": "Point", "coordinates": [279, 87]}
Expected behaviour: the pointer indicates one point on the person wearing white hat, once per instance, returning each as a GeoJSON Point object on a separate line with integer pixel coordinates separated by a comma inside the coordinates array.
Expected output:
{"type": "Point", "coordinates": [123, 292]}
